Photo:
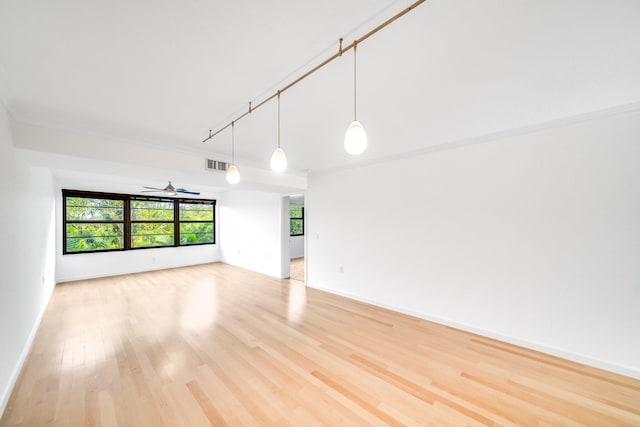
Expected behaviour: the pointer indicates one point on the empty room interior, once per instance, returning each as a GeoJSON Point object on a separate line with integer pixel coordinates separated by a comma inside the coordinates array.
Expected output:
{"type": "Point", "coordinates": [334, 213]}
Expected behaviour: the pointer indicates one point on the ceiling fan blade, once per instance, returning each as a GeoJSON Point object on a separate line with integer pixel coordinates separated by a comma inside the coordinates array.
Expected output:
{"type": "Point", "coordinates": [182, 190]}
{"type": "Point", "coordinates": [154, 188]}
{"type": "Point", "coordinates": [151, 191]}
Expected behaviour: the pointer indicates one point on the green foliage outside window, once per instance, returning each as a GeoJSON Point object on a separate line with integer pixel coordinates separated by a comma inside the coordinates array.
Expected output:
{"type": "Point", "coordinates": [94, 224]}
{"type": "Point", "coordinates": [145, 210]}
{"type": "Point", "coordinates": [296, 215]}
{"type": "Point", "coordinates": [151, 223]}
{"type": "Point", "coordinates": [83, 209]}
{"type": "Point", "coordinates": [195, 212]}
{"type": "Point", "coordinates": [196, 223]}
{"type": "Point", "coordinates": [119, 222]}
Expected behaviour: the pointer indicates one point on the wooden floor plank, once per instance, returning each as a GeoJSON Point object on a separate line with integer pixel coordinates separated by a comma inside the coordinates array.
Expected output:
{"type": "Point", "coordinates": [216, 345]}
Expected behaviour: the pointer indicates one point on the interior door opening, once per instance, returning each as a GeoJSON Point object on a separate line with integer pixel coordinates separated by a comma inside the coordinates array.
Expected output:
{"type": "Point", "coordinates": [296, 237]}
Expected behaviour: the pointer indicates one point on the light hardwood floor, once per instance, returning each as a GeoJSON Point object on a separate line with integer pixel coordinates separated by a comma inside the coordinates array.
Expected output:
{"type": "Point", "coordinates": [218, 345]}
{"type": "Point", "coordinates": [296, 269]}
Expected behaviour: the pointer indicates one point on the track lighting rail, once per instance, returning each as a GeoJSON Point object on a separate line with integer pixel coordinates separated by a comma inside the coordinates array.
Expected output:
{"type": "Point", "coordinates": [336, 55]}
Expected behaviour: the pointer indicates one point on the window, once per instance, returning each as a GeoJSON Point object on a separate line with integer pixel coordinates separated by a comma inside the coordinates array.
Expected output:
{"type": "Point", "coordinates": [94, 222]}
{"type": "Point", "coordinates": [196, 222]}
{"type": "Point", "coordinates": [296, 215]}
{"type": "Point", "coordinates": [152, 223]}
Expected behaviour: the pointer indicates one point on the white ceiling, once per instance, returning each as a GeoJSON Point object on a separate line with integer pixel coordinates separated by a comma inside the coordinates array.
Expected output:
{"type": "Point", "coordinates": [164, 72]}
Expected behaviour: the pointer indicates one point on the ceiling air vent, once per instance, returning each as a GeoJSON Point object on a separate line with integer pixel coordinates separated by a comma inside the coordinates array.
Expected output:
{"type": "Point", "coordinates": [215, 165]}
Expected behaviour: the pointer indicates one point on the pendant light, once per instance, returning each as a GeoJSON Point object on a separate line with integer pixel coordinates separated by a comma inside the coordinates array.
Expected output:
{"type": "Point", "coordinates": [278, 158]}
{"type": "Point", "coordinates": [233, 175]}
{"type": "Point", "coordinates": [355, 140]}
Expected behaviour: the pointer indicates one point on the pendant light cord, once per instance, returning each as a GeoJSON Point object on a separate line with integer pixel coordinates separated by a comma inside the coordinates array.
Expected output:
{"type": "Point", "coordinates": [278, 119]}
{"type": "Point", "coordinates": [355, 81]}
{"type": "Point", "coordinates": [233, 144]}
{"type": "Point", "coordinates": [336, 55]}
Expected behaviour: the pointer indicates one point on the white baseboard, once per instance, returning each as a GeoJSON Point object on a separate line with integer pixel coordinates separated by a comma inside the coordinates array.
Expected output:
{"type": "Point", "coordinates": [75, 278]}
{"type": "Point", "coordinates": [6, 393]}
{"type": "Point", "coordinates": [544, 348]}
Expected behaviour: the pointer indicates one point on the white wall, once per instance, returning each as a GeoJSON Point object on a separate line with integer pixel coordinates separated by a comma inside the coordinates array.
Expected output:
{"type": "Point", "coordinates": [296, 245]}
{"type": "Point", "coordinates": [84, 152]}
{"type": "Point", "coordinates": [27, 255]}
{"type": "Point", "coordinates": [534, 239]}
{"type": "Point", "coordinates": [251, 231]}
{"type": "Point", "coordinates": [285, 247]}
{"type": "Point", "coordinates": [84, 266]}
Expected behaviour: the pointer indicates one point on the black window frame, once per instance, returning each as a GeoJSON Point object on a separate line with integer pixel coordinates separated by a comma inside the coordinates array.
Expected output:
{"type": "Point", "coordinates": [127, 198]}
{"type": "Point", "coordinates": [133, 221]}
{"type": "Point", "coordinates": [193, 221]}
{"type": "Point", "coordinates": [296, 219]}
{"type": "Point", "coordinates": [66, 222]}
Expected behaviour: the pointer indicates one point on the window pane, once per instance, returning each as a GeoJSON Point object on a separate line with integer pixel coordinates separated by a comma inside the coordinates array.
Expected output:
{"type": "Point", "coordinates": [143, 228]}
{"type": "Point", "coordinates": [196, 212]}
{"type": "Point", "coordinates": [151, 234]}
{"type": "Point", "coordinates": [151, 240]}
{"type": "Point", "coordinates": [297, 228]}
{"type": "Point", "coordinates": [192, 233]}
{"type": "Point", "coordinates": [95, 230]}
{"type": "Point", "coordinates": [88, 209]}
{"type": "Point", "coordinates": [295, 212]}
{"type": "Point", "coordinates": [143, 210]}
{"type": "Point", "coordinates": [94, 237]}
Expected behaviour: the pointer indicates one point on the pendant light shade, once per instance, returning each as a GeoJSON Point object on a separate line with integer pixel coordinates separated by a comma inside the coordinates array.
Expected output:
{"type": "Point", "coordinates": [233, 175]}
{"type": "Point", "coordinates": [278, 160]}
{"type": "Point", "coordinates": [355, 140]}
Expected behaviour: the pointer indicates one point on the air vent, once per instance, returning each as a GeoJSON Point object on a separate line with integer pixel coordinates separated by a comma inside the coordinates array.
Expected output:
{"type": "Point", "coordinates": [216, 165]}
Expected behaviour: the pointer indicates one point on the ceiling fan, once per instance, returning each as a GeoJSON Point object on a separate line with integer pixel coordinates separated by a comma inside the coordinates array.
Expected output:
{"type": "Point", "coordinates": [169, 190]}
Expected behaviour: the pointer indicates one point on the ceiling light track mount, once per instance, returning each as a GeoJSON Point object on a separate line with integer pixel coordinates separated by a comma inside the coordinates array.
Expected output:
{"type": "Point", "coordinates": [336, 55]}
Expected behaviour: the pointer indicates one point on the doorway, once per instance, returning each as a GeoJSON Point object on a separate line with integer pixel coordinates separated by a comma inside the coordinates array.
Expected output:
{"type": "Point", "coordinates": [296, 237]}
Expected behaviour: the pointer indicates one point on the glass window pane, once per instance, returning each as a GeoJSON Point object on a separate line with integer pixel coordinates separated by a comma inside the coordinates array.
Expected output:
{"type": "Point", "coordinates": [94, 237]}
{"type": "Point", "coordinates": [141, 228]}
{"type": "Point", "coordinates": [295, 211]}
{"type": "Point", "coordinates": [192, 233]}
{"type": "Point", "coordinates": [151, 240]}
{"type": "Point", "coordinates": [89, 209]}
{"type": "Point", "coordinates": [144, 210]}
{"type": "Point", "coordinates": [196, 212]}
{"type": "Point", "coordinates": [151, 234]}
{"type": "Point", "coordinates": [95, 230]}
{"type": "Point", "coordinates": [94, 202]}
{"type": "Point", "coordinates": [297, 227]}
